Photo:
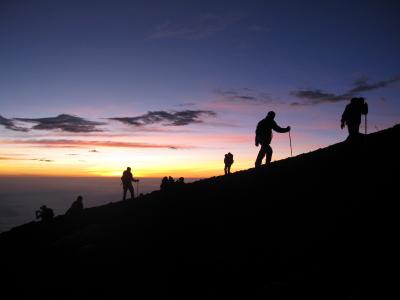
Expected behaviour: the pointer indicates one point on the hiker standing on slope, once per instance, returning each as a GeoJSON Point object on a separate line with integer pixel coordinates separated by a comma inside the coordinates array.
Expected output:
{"type": "Point", "coordinates": [228, 161]}
{"type": "Point", "coordinates": [127, 179]}
{"type": "Point", "coordinates": [264, 137]}
{"type": "Point", "coordinates": [352, 116]}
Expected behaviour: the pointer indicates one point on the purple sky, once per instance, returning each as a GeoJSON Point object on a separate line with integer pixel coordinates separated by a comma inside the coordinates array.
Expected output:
{"type": "Point", "coordinates": [170, 86]}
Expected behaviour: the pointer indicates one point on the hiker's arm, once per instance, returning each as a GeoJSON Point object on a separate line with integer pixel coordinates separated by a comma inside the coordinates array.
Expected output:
{"type": "Point", "coordinates": [280, 129]}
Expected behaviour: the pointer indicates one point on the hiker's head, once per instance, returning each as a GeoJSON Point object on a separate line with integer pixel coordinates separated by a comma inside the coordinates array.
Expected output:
{"type": "Point", "coordinates": [128, 169]}
{"type": "Point", "coordinates": [80, 198]}
{"type": "Point", "coordinates": [354, 100]}
{"type": "Point", "coordinates": [43, 207]}
{"type": "Point", "coordinates": [271, 115]}
{"type": "Point", "coordinates": [361, 100]}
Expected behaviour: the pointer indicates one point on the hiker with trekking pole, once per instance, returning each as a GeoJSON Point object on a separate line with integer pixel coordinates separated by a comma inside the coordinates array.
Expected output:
{"type": "Point", "coordinates": [351, 117]}
{"type": "Point", "coordinates": [264, 137]}
{"type": "Point", "coordinates": [126, 180]}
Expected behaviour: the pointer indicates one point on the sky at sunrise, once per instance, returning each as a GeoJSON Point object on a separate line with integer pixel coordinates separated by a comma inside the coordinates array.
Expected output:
{"type": "Point", "coordinates": [88, 88]}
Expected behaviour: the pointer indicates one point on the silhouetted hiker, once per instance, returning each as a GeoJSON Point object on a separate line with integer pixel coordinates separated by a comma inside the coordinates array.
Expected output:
{"type": "Point", "coordinates": [127, 179]}
{"type": "Point", "coordinates": [264, 137]}
{"type": "Point", "coordinates": [76, 207]}
{"type": "Point", "coordinates": [180, 181]}
{"type": "Point", "coordinates": [164, 183]}
{"type": "Point", "coordinates": [352, 116]}
{"type": "Point", "coordinates": [45, 213]}
{"type": "Point", "coordinates": [171, 181]}
{"type": "Point", "coordinates": [228, 160]}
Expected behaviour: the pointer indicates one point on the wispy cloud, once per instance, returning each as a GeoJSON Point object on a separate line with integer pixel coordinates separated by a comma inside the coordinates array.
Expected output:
{"type": "Point", "coordinates": [12, 158]}
{"type": "Point", "coordinates": [186, 104]}
{"type": "Point", "coordinates": [316, 96]}
{"type": "Point", "coordinates": [174, 118]}
{"type": "Point", "coordinates": [44, 160]}
{"type": "Point", "coordinates": [61, 143]}
{"type": "Point", "coordinates": [9, 158]}
{"type": "Point", "coordinates": [64, 122]}
{"type": "Point", "coordinates": [244, 95]}
{"type": "Point", "coordinates": [200, 27]}
{"type": "Point", "coordinates": [363, 85]}
{"type": "Point", "coordinates": [10, 124]}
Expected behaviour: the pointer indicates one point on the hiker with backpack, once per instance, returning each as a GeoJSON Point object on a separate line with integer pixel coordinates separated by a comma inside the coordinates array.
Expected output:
{"type": "Point", "coordinates": [127, 179]}
{"type": "Point", "coordinates": [76, 207]}
{"type": "Point", "coordinates": [264, 137]}
{"type": "Point", "coordinates": [352, 116]}
{"type": "Point", "coordinates": [228, 161]}
{"type": "Point", "coordinates": [45, 213]}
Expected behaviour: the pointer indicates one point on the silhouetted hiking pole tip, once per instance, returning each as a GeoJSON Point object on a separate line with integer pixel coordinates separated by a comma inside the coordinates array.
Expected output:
{"type": "Point", "coordinates": [290, 140]}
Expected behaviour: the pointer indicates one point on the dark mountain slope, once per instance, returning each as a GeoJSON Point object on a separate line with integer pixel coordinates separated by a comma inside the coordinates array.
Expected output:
{"type": "Point", "coordinates": [319, 225]}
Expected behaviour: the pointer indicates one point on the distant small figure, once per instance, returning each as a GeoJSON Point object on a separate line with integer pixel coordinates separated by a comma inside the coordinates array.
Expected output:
{"type": "Point", "coordinates": [168, 183]}
{"type": "Point", "coordinates": [127, 179]}
{"type": "Point", "coordinates": [264, 137]}
{"type": "Point", "coordinates": [164, 183]}
{"type": "Point", "coordinates": [180, 181]}
{"type": "Point", "coordinates": [352, 116]}
{"type": "Point", "coordinates": [228, 160]}
{"type": "Point", "coordinates": [76, 207]}
{"type": "Point", "coordinates": [45, 213]}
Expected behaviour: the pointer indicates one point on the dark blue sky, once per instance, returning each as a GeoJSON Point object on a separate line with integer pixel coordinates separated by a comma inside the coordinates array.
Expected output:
{"type": "Point", "coordinates": [237, 59]}
{"type": "Point", "coordinates": [171, 49]}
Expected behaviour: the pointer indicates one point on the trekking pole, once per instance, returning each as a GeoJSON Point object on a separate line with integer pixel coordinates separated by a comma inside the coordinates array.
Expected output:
{"type": "Point", "coordinates": [365, 122]}
{"type": "Point", "coordinates": [290, 140]}
{"type": "Point", "coordinates": [137, 188]}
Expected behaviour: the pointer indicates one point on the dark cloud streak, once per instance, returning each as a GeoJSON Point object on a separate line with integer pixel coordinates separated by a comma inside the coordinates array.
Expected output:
{"type": "Point", "coordinates": [316, 96]}
{"type": "Point", "coordinates": [65, 123]}
{"type": "Point", "coordinates": [177, 118]}
{"type": "Point", "coordinates": [362, 85]}
{"type": "Point", "coordinates": [244, 95]}
{"type": "Point", "coordinates": [9, 124]}
{"type": "Point", "coordinates": [61, 143]}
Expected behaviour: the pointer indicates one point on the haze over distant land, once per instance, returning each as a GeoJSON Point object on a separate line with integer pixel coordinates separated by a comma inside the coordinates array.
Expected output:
{"type": "Point", "coordinates": [18, 205]}
{"type": "Point", "coordinates": [169, 87]}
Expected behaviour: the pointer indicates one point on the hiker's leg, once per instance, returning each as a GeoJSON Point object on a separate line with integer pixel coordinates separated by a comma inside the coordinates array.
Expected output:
{"type": "Point", "coordinates": [269, 154]}
{"type": "Point", "coordinates": [132, 192]}
{"type": "Point", "coordinates": [354, 129]}
{"type": "Point", "coordinates": [226, 169]}
{"type": "Point", "coordinates": [229, 169]}
{"type": "Point", "coordinates": [260, 156]}
{"type": "Point", "coordinates": [124, 193]}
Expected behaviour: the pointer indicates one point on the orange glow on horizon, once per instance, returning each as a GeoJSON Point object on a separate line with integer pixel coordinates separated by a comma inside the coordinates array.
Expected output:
{"type": "Point", "coordinates": [202, 158]}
